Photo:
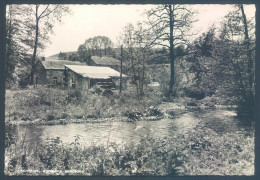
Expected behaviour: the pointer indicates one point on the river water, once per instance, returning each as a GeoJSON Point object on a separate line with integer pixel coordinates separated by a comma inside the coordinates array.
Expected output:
{"type": "Point", "coordinates": [221, 121]}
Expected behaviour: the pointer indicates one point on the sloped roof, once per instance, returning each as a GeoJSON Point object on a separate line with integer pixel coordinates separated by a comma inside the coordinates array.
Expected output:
{"type": "Point", "coordinates": [105, 60]}
{"type": "Point", "coordinates": [59, 64]}
{"type": "Point", "coordinates": [95, 72]}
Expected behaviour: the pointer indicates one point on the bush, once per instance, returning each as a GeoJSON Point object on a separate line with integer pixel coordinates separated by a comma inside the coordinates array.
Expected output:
{"type": "Point", "coordinates": [134, 115]}
{"type": "Point", "coordinates": [161, 74]}
{"type": "Point", "coordinates": [74, 95]}
{"type": "Point", "coordinates": [192, 93]}
{"type": "Point", "coordinates": [50, 117]}
{"type": "Point", "coordinates": [50, 104]}
{"type": "Point", "coordinates": [152, 111]}
{"type": "Point", "coordinates": [192, 104]}
{"type": "Point", "coordinates": [64, 115]}
{"type": "Point", "coordinates": [201, 152]}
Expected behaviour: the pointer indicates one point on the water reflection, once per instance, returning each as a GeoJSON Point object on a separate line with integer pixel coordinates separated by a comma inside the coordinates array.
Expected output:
{"type": "Point", "coordinates": [221, 121]}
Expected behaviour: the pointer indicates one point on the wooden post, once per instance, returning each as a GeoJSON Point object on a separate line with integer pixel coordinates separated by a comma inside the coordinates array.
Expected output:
{"type": "Point", "coordinates": [121, 69]}
{"type": "Point", "coordinates": [66, 83]}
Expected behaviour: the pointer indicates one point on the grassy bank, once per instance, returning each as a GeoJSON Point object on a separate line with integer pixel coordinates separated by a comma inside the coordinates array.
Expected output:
{"type": "Point", "coordinates": [48, 105]}
{"type": "Point", "coordinates": [201, 152]}
{"type": "Point", "coordinates": [44, 105]}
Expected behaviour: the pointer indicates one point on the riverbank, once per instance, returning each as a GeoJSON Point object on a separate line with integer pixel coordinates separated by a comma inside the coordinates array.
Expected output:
{"type": "Point", "coordinates": [47, 106]}
{"type": "Point", "coordinates": [59, 106]}
{"type": "Point", "coordinates": [208, 142]}
{"type": "Point", "coordinates": [200, 151]}
{"type": "Point", "coordinates": [81, 121]}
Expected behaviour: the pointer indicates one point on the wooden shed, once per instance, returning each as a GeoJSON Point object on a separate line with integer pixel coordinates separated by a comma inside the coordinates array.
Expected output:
{"type": "Point", "coordinates": [85, 77]}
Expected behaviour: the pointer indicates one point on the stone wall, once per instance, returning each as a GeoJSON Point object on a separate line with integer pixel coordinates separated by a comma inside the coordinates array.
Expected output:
{"type": "Point", "coordinates": [46, 76]}
{"type": "Point", "coordinates": [51, 74]}
{"type": "Point", "coordinates": [76, 81]}
{"type": "Point", "coordinates": [40, 75]}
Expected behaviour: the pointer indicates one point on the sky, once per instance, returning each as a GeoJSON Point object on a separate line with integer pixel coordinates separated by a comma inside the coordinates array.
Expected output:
{"type": "Point", "coordinates": [108, 20]}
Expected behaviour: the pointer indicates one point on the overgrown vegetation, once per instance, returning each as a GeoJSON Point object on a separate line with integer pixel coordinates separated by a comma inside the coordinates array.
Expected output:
{"type": "Point", "coordinates": [223, 60]}
{"type": "Point", "coordinates": [215, 69]}
{"type": "Point", "coordinates": [48, 104]}
{"type": "Point", "coordinates": [28, 28]}
{"type": "Point", "coordinates": [200, 152]}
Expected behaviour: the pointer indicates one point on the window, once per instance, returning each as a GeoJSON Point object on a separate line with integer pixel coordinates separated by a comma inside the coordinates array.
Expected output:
{"type": "Point", "coordinates": [55, 80]}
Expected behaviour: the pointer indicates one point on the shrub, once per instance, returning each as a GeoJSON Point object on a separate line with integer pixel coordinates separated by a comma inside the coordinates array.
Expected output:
{"type": "Point", "coordinates": [64, 115]}
{"type": "Point", "coordinates": [50, 104]}
{"type": "Point", "coordinates": [152, 111]}
{"type": "Point", "coordinates": [50, 117]}
{"type": "Point", "coordinates": [74, 95]}
{"type": "Point", "coordinates": [193, 93]}
{"type": "Point", "coordinates": [201, 152]}
{"type": "Point", "coordinates": [160, 73]}
{"type": "Point", "coordinates": [191, 104]}
{"type": "Point", "coordinates": [134, 115]}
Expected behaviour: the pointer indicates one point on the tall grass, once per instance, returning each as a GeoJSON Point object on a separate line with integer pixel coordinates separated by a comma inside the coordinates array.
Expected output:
{"type": "Point", "coordinates": [198, 153]}
{"type": "Point", "coordinates": [47, 104]}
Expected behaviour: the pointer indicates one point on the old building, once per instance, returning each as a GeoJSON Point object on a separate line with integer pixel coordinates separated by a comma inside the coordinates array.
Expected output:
{"type": "Point", "coordinates": [85, 77]}
{"type": "Point", "coordinates": [104, 61]}
{"type": "Point", "coordinates": [51, 72]}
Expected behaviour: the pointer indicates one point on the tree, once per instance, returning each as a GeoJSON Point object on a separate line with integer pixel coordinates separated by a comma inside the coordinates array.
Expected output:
{"type": "Point", "coordinates": [169, 25]}
{"type": "Point", "coordinates": [248, 45]}
{"type": "Point", "coordinates": [238, 32]}
{"type": "Point", "coordinates": [73, 57]}
{"type": "Point", "coordinates": [16, 51]}
{"type": "Point", "coordinates": [94, 46]}
{"type": "Point", "coordinates": [203, 48]}
{"type": "Point", "coordinates": [40, 22]}
{"type": "Point", "coordinates": [11, 51]}
{"type": "Point", "coordinates": [83, 54]}
{"type": "Point", "coordinates": [62, 56]}
{"type": "Point", "coordinates": [222, 63]}
{"type": "Point", "coordinates": [99, 46]}
{"type": "Point", "coordinates": [135, 42]}
{"type": "Point", "coordinates": [107, 45]}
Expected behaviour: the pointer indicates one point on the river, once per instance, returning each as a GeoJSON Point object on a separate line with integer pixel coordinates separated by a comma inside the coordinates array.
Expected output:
{"type": "Point", "coordinates": [220, 120]}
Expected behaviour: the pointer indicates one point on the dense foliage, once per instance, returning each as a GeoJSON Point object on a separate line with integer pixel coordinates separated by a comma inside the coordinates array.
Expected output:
{"type": "Point", "coordinates": [28, 28]}
{"type": "Point", "coordinates": [169, 26]}
{"type": "Point", "coordinates": [94, 46]}
{"type": "Point", "coordinates": [216, 69]}
{"type": "Point", "coordinates": [201, 152]}
{"type": "Point", "coordinates": [223, 63]}
{"type": "Point", "coordinates": [48, 104]}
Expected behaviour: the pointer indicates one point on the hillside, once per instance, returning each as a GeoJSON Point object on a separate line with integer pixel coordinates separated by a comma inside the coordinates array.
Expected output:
{"type": "Point", "coordinates": [157, 56]}
{"type": "Point", "coordinates": [56, 56]}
